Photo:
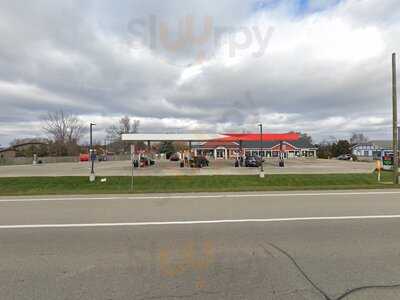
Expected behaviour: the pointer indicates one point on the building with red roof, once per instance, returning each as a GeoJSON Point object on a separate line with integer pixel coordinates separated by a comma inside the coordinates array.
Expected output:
{"type": "Point", "coordinates": [267, 149]}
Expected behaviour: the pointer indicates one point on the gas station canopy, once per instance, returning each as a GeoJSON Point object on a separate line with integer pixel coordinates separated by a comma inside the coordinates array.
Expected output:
{"type": "Point", "coordinates": [200, 137]}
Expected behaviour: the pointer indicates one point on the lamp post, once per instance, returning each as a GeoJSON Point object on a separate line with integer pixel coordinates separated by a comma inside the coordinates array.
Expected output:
{"type": "Point", "coordinates": [92, 176]}
{"type": "Point", "coordinates": [261, 147]}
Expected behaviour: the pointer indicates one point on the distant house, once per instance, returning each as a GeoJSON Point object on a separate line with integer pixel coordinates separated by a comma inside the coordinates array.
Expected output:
{"type": "Point", "coordinates": [11, 152]}
{"type": "Point", "coordinates": [373, 150]}
{"type": "Point", "coordinates": [270, 149]}
{"type": "Point", "coordinates": [7, 153]}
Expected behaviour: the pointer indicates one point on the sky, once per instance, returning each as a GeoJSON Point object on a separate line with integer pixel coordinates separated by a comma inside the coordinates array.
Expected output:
{"type": "Point", "coordinates": [317, 66]}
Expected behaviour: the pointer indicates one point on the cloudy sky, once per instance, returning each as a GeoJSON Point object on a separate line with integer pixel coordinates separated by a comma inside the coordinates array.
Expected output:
{"type": "Point", "coordinates": [317, 66]}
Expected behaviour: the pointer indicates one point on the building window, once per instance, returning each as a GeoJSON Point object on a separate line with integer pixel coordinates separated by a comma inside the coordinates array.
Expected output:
{"type": "Point", "coordinates": [220, 153]}
{"type": "Point", "coordinates": [377, 154]}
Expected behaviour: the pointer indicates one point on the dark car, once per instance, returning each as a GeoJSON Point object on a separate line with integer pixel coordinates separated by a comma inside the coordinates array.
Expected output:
{"type": "Point", "coordinates": [102, 158]}
{"type": "Point", "coordinates": [175, 157]}
{"type": "Point", "coordinates": [253, 161]}
{"type": "Point", "coordinates": [146, 162]}
{"type": "Point", "coordinates": [199, 162]}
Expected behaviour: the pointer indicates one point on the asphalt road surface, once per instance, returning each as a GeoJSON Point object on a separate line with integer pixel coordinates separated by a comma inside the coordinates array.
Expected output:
{"type": "Point", "coordinates": [309, 245]}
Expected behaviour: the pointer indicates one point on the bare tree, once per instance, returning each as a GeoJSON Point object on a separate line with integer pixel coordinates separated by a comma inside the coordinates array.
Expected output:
{"type": "Point", "coordinates": [124, 126]}
{"type": "Point", "coordinates": [114, 132]}
{"type": "Point", "coordinates": [135, 126]}
{"type": "Point", "coordinates": [358, 138]}
{"type": "Point", "coordinates": [63, 127]}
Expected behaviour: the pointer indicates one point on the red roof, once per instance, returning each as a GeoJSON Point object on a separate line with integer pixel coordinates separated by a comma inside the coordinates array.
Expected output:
{"type": "Point", "coordinates": [255, 137]}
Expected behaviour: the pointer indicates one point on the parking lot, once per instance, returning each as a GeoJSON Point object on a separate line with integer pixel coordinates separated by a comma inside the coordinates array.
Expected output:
{"type": "Point", "coordinates": [168, 168]}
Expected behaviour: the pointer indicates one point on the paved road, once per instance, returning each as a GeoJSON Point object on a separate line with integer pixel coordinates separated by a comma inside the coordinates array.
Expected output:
{"type": "Point", "coordinates": [167, 168]}
{"type": "Point", "coordinates": [202, 246]}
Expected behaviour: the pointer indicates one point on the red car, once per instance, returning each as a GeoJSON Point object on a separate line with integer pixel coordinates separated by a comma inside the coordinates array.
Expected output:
{"type": "Point", "coordinates": [84, 157]}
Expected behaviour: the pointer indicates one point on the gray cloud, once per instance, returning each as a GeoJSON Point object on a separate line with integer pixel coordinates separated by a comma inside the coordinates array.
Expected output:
{"type": "Point", "coordinates": [326, 72]}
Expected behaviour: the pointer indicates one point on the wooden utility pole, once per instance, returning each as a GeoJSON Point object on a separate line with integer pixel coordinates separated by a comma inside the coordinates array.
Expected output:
{"type": "Point", "coordinates": [395, 128]}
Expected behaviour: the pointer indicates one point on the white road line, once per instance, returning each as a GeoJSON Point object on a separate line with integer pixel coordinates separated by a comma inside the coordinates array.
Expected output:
{"type": "Point", "coordinates": [141, 224]}
{"type": "Point", "coordinates": [213, 196]}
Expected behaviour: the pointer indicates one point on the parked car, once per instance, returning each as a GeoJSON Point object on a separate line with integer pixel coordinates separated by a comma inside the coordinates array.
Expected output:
{"type": "Point", "coordinates": [84, 157]}
{"type": "Point", "coordinates": [344, 157]}
{"type": "Point", "coordinates": [253, 161]}
{"type": "Point", "coordinates": [175, 157]}
{"type": "Point", "coordinates": [102, 158]}
{"type": "Point", "coordinates": [146, 161]}
{"type": "Point", "coordinates": [199, 162]}
{"type": "Point", "coordinates": [106, 156]}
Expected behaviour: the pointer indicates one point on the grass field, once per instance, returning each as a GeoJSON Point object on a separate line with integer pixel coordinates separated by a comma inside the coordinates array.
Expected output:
{"type": "Point", "coordinates": [116, 185]}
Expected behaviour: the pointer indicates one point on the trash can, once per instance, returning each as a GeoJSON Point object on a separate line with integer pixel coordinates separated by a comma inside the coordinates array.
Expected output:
{"type": "Point", "coordinates": [282, 163]}
{"type": "Point", "coordinates": [136, 163]}
{"type": "Point", "coordinates": [236, 164]}
{"type": "Point", "coordinates": [182, 164]}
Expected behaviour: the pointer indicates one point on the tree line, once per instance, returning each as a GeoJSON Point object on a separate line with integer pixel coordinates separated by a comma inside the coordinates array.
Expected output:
{"type": "Point", "coordinates": [64, 132]}
{"type": "Point", "coordinates": [333, 148]}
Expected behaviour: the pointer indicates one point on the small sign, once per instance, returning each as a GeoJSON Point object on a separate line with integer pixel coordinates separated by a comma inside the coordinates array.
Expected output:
{"type": "Point", "coordinates": [93, 156]}
{"type": "Point", "coordinates": [388, 160]}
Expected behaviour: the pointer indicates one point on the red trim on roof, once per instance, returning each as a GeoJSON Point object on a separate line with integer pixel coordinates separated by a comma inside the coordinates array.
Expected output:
{"type": "Point", "coordinates": [255, 137]}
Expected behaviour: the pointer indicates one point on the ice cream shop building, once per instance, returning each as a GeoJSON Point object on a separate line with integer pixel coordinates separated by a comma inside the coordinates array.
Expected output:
{"type": "Point", "coordinates": [232, 145]}
{"type": "Point", "coordinates": [268, 149]}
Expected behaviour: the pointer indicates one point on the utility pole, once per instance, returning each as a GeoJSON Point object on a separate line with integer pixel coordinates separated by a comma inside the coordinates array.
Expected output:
{"type": "Point", "coordinates": [395, 128]}
{"type": "Point", "coordinates": [92, 176]}
{"type": "Point", "coordinates": [261, 147]}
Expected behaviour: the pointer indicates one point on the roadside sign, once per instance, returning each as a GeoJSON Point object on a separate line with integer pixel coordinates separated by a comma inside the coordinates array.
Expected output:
{"type": "Point", "coordinates": [93, 156]}
{"type": "Point", "coordinates": [387, 161]}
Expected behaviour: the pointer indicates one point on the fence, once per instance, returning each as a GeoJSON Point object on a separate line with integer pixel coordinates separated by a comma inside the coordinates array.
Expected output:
{"type": "Point", "coordinates": [53, 159]}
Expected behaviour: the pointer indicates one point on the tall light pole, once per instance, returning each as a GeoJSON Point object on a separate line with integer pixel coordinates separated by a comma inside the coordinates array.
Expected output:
{"type": "Point", "coordinates": [261, 147]}
{"type": "Point", "coordinates": [92, 176]}
{"type": "Point", "coordinates": [395, 128]}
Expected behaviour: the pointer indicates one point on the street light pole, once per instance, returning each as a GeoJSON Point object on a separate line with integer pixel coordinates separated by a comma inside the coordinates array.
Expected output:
{"type": "Point", "coordinates": [261, 147]}
{"type": "Point", "coordinates": [92, 176]}
{"type": "Point", "coordinates": [395, 129]}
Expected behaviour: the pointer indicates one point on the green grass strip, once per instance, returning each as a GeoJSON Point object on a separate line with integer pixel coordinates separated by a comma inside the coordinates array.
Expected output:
{"type": "Point", "coordinates": [180, 184]}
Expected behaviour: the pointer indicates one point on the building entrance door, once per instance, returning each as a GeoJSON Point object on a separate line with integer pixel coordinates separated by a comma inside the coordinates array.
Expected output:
{"type": "Point", "coordinates": [220, 153]}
